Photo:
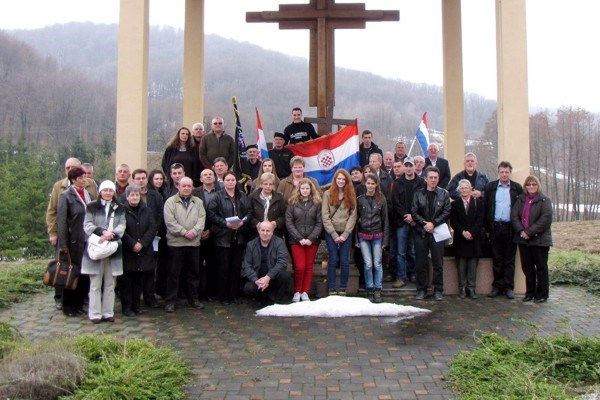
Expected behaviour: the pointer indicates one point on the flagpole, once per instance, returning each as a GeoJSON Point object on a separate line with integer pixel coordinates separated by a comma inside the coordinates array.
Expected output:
{"type": "Point", "coordinates": [411, 146]}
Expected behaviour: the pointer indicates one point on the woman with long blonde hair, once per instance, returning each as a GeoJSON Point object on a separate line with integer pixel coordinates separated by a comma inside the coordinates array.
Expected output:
{"type": "Point", "coordinates": [304, 226]}
{"type": "Point", "coordinates": [339, 217]}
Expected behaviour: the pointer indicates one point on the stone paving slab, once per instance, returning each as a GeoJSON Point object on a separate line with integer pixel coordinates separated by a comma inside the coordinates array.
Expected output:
{"type": "Point", "coordinates": [235, 355]}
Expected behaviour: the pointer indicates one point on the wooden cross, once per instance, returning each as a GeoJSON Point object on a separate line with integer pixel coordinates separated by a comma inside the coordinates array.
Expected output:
{"type": "Point", "coordinates": [322, 18]}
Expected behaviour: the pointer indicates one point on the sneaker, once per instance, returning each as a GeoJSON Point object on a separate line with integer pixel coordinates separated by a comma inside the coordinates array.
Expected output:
{"type": "Point", "coordinates": [304, 297]}
{"type": "Point", "coordinates": [377, 298]}
{"type": "Point", "coordinates": [129, 313]}
{"type": "Point", "coordinates": [398, 283]}
{"type": "Point", "coordinates": [510, 294]}
{"type": "Point", "coordinates": [494, 293]}
{"type": "Point", "coordinates": [438, 296]}
{"type": "Point", "coordinates": [420, 295]}
{"type": "Point", "coordinates": [296, 297]}
{"type": "Point", "coordinates": [463, 293]}
{"type": "Point", "coordinates": [170, 308]}
{"type": "Point", "coordinates": [333, 292]}
{"type": "Point", "coordinates": [342, 292]}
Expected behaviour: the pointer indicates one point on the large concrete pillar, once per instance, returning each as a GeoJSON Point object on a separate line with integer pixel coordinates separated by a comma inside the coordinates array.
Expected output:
{"type": "Point", "coordinates": [193, 63]}
{"type": "Point", "coordinates": [454, 111]}
{"type": "Point", "coordinates": [132, 84]}
{"type": "Point", "coordinates": [513, 102]}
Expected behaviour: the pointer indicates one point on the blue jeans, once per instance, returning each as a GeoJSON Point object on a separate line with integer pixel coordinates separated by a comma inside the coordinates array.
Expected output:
{"type": "Point", "coordinates": [338, 254]}
{"type": "Point", "coordinates": [372, 257]}
{"type": "Point", "coordinates": [406, 252]}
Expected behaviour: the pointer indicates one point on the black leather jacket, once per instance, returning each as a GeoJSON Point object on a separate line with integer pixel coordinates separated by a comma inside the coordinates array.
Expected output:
{"type": "Point", "coordinates": [372, 217]}
{"type": "Point", "coordinates": [219, 208]}
{"type": "Point", "coordinates": [420, 209]}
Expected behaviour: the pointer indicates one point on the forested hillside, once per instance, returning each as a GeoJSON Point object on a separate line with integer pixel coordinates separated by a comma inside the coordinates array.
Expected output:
{"type": "Point", "coordinates": [271, 81]}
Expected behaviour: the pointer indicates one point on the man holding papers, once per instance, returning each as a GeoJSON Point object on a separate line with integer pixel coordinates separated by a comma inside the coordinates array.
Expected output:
{"type": "Point", "coordinates": [430, 210]}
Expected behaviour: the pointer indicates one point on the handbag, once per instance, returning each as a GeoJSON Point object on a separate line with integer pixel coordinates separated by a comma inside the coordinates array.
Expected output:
{"type": "Point", "coordinates": [61, 272]}
{"type": "Point", "coordinates": [98, 251]}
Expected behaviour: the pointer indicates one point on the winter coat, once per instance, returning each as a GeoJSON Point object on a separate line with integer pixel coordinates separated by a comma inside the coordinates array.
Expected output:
{"type": "Point", "coordinates": [470, 221]}
{"type": "Point", "coordinates": [420, 209]}
{"type": "Point", "coordinates": [540, 220]}
{"type": "Point", "coordinates": [365, 153]}
{"type": "Point", "coordinates": [303, 221]}
{"type": "Point", "coordinates": [69, 219]}
{"type": "Point", "coordinates": [402, 196]}
{"type": "Point", "coordinates": [96, 222]}
{"type": "Point", "coordinates": [140, 227]}
{"type": "Point", "coordinates": [372, 217]}
{"type": "Point", "coordinates": [343, 220]}
{"type": "Point", "coordinates": [221, 207]}
{"type": "Point", "coordinates": [179, 220]}
{"type": "Point", "coordinates": [276, 259]}
{"type": "Point", "coordinates": [276, 212]}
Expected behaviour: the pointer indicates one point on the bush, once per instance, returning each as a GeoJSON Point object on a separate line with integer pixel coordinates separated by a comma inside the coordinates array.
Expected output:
{"type": "Point", "coordinates": [543, 368]}
{"type": "Point", "coordinates": [44, 370]}
{"type": "Point", "coordinates": [575, 268]}
{"type": "Point", "coordinates": [20, 279]}
{"type": "Point", "coordinates": [135, 369]}
{"type": "Point", "coordinates": [9, 337]}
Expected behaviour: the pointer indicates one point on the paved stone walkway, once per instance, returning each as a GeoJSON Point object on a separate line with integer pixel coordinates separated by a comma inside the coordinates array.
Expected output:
{"type": "Point", "coordinates": [235, 355]}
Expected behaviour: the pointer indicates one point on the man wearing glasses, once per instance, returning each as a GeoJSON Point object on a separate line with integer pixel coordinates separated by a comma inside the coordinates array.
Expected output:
{"type": "Point", "coordinates": [500, 195]}
{"type": "Point", "coordinates": [217, 143]}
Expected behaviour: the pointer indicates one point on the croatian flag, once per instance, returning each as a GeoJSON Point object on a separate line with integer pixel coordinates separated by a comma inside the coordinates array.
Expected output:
{"type": "Point", "coordinates": [423, 135]}
{"type": "Point", "coordinates": [329, 153]}
{"type": "Point", "coordinates": [260, 139]}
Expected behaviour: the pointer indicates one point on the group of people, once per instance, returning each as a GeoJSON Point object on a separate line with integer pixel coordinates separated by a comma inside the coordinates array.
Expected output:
{"type": "Point", "coordinates": [198, 233]}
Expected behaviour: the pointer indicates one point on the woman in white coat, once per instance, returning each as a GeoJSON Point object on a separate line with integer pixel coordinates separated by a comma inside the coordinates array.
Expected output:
{"type": "Point", "coordinates": [105, 218]}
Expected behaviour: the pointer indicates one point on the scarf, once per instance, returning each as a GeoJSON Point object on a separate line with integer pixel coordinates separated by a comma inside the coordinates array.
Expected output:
{"type": "Point", "coordinates": [529, 199]}
{"type": "Point", "coordinates": [267, 204]}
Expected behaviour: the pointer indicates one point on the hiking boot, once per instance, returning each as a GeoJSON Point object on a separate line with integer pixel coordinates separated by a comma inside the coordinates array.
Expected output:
{"type": "Point", "coordinates": [371, 295]}
{"type": "Point", "coordinates": [377, 299]}
{"type": "Point", "coordinates": [398, 283]}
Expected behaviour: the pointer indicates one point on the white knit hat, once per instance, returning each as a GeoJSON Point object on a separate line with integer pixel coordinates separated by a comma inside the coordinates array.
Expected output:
{"type": "Point", "coordinates": [107, 185]}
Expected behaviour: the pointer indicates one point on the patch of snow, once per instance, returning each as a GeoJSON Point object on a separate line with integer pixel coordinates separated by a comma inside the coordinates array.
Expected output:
{"type": "Point", "coordinates": [339, 306]}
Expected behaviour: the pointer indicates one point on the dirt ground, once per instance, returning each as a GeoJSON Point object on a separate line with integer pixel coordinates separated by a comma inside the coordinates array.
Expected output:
{"type": "Point", "coordinates": [583, 236]}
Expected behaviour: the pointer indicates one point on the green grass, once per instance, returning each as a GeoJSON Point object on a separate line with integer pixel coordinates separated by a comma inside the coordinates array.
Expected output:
{"type": "Point", "coordinates": [20, 279]}
{"type": "Point", "coordinates": [575, 268]}
{"type": "Point", "coordinates": [102, 368]}
{"type": "Point", "coordinates": [134, 369]}
{"type": "Point", "coordinates": [558, 367]}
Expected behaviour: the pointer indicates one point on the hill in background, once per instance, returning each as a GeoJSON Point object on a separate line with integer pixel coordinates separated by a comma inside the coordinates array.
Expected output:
{"type": "Point", "coordinates": [86, 54]}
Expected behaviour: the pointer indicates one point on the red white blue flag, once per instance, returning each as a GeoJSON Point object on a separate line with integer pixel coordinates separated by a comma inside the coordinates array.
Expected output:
{"type": "Point", "coordinates": [260, 139]}
{"type": "Point", "coordinates": [423, 135]}
{"type": "Point", "coordinates": [329, 153]}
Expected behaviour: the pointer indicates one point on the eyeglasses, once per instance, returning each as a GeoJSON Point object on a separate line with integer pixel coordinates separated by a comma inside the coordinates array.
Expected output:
{"type": "Point", "coordinates": [531, 184]}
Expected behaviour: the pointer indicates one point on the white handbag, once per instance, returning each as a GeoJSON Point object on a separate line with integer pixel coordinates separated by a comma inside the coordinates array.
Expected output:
{"type": "Point", "coordinates": [97, 250]}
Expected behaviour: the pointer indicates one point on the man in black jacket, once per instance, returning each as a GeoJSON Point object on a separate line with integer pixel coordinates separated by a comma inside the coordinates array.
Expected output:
{"type": "Point", "coordinates": [367, 147]}
{"type": "Point", "coordinates": [299, 131]}
{"type": "Point", "coordinates": [430, 209]}
{"type": "Point", "coordinates": [281, 156]}
{"type": "Point", "coordinates": [265, 266]}
{"type": "Point", "coordinates": [440, 163]}
{"type": "Point", "coordinates": [500, 196]}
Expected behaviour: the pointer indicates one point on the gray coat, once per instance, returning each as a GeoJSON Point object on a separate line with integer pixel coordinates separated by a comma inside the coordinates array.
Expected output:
{"type": "Point", "coordinates": [95, 222]}
{"type": "Point", "coordinates": [540, 219]}
{"type": "Point", "coordinates": [303, 221]}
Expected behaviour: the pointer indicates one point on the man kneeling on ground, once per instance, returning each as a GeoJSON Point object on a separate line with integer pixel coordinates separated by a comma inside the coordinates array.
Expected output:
{"type": "Point", "coordinates": [265, 266]}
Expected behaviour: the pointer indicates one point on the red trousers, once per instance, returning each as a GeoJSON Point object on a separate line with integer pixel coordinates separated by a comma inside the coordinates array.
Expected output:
{"type": "Point", "coordinates": [304, 259]}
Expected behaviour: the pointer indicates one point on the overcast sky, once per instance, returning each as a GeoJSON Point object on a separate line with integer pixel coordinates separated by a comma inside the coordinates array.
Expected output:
{"type": "Point", "coordinates": [564, 68]}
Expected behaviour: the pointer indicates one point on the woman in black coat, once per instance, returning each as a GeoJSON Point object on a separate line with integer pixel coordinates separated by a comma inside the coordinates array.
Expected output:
{"type": "Point", "coordinates": [72, 204]}
{"type": "Point", "coordinates": [229, 238]}
{"type": "Point", "coordinates": [182, 149]}
{"type": "Point", "coordinates": [267, 197]}
{"type": "Point", "coordinates": [138, 253]}
{"type": "Point", "coordinates": [531, 220]}
{"type": "Point", "coordinates": [466, 218]}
